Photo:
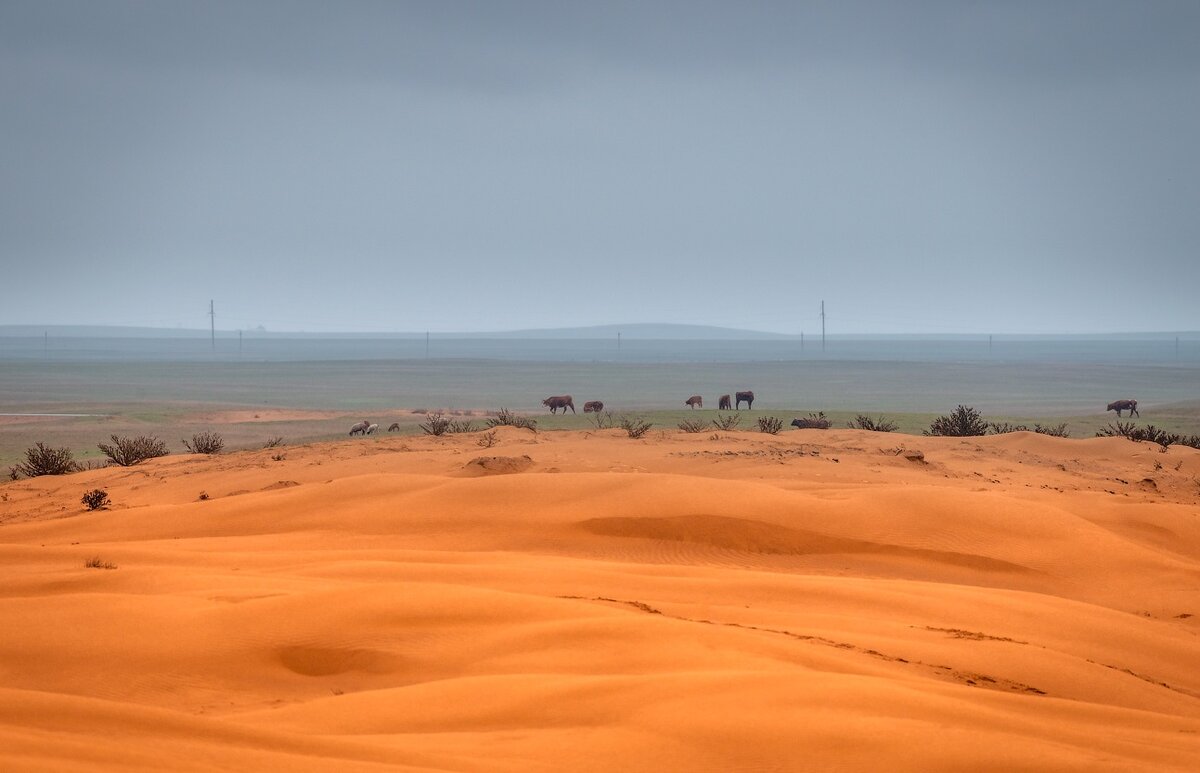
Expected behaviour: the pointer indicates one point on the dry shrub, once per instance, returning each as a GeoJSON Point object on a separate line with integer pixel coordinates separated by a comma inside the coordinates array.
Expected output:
{"type": "Point", "coordinates": [693, 425]}
{"type": "Point", "coordinates": [1003, 428]}
{"type": "Point", "coordinates": [963, 422]}
{"type": "Point", "coordinates": [129, 451]}
{"type": "Point", "coordinates": [603, 420]}
{"type": "Point", "coordinates": [1164, 439]}
{"type": "Point", "coordinates": [1056, 430]}
{"type": "Point", "coordinates": [635, 427]}
{"type": "Point", "coordinates": [96, 562]}
{"type": "Point", "coordinates": [727, 422]}
{"type": "Point", "coordinates": [506, 418]}
{"type": "Point", "coordinates": [882, 424]}
{"type": "Point", "coordinates": [43, 460]}
{"type": "Point", "coordinates": [813, 421]}
{"type": "Point", "coordinates": [770, 425]}
{"type": "Point", "coordinates": [204, 443]}
{"type": "Point", "coordinates": [272, 442]}
{"type": "Point", "coordinates": [487, 439]}
{"type": "Point", "coordinates": [96, 499]}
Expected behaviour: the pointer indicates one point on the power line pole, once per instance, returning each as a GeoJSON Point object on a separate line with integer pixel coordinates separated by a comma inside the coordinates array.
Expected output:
{"type": "Point", "coordinates": [239, 343]}
{"type": "Point", "coordinates": [212, 319]}
{"type": "Point", "coordinates": [427, 344]}
{"type": "Point", "coordinates": [618, 345]}
{"type": "Point", "coordinates": [801, 341]}
{"type": "Point", "coordinates": [822, 326]}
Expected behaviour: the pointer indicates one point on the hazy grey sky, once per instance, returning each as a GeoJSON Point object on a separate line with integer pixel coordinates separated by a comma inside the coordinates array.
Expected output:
{"type": "Point", "coordinates": [921, 166]}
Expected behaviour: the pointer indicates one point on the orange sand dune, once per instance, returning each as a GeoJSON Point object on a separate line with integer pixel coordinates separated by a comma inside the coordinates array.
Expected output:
{"type": "Point", "coordinates": [583, 601]}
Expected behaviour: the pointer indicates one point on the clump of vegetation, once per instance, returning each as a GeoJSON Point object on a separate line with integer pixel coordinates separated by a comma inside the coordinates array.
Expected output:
{"type": "Point", "coordinates": [963, 422]}
{"type": "Point", "coordinates": [437, 423]}
{"type": "Point", "coordinates": [693, 425]}
{"type": "Point", "coordinates": [727, 422]}
{"type": "Point", "coordinates": [203, 496]}
{"type": "Point", "coordinates": [635, 427]}
{"type": "Point", "coordinates": [96, 562]}
{"type": "Point", "coordinates": [279, 457]}
{"type": "Point", "coordinates": [603, 420]}
{"type": "Point", "coordinates": [1055, 430]}
{"type": "Point", "coordinates": [204, 443]}
{"type": "Point", "coordinates": [1003, 428]}
{"type": "Point", "coordinates": [272, 442]}
{"type": "Point", "coordinates": [1129, 430]}
{"type": "Point", "coordinates": [813, 421]}
{"type": "Point", "coordinates": [129, 451]}
{"type": "Point", "coordinates": [506, 418]}
{"type": "Point", "coordinates": [96, 499]}
{"type": "Point", "coordinates": [769, 425]}
{"type": "Point", "coordinates": [487, 439]}
{"type": "Point", "coordinates": [43, 460]}
{"type": "Point", "coordinates": [882, 424]}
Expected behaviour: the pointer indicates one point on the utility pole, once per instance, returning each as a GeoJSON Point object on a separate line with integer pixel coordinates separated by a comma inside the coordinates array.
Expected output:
{"type": "Point", "coordinates": [618, 344]}
{"type": "Point", "coordinates": [427, 344]}
{"type": "Point", "coordinates": [822, 327]}
{"type": "Point", "coordinates": [801, 341]}
{"type": "Point", "coordinates": [239, 343]}
{"type": "Point", "coordinates": [212, 319]}
{"type": "Point", "coordinates": [989, 344]}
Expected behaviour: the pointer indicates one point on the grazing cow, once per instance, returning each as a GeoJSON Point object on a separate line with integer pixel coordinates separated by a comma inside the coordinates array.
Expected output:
{"type": "Point", "coordinates": [1124, 405]}
{"type": "Point", "coordinates": [395, 426]}
{"type": "Point", "coordinates": [371, 429]}
{"type": "Point", "coordinates": [696, 401]}
{"type": "Point", "coordinates": [593, 406]}
{"type": "Point", "coordinates": [559, 401]}
{"type": "Point", "coordinates": [360, 428]}
{"type": "Point", "coordinates": [748, 397]}
{"type": "Point", "coordinates": [725, 404]}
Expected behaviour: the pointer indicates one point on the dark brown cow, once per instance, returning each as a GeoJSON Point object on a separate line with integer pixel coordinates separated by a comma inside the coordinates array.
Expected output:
{"type": "Point", "coordinates": [725, 404]}
{"type": "Point", "coordinates": [748, 397]}
{"type": "Point", "coordinates": [1124, 405]}
{"type": "Point", "coordinates": [696, 401]}
{"type": "Point", "coordinates": [559, 401]}
{"type": "Point", "coordinates": [593, 406]}
{"type": "Point", "coordinates": [395, 426]}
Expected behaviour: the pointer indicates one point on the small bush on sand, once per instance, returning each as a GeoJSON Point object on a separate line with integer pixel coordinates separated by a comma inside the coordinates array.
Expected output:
{"type": "Point", "coordinates": [813, 421]}
{"type": "Point", "coordinates": [770, 425]}
{"type": "Point", "coordinates": [204, 443]}
{"type": "Point", "coordinates": [487, 439]}
{"type": "Point", "coordinates": [457, 426]}
{"type": "Point", "coordinates": [635, 427]}
{"type": "Point", "coordinates": [1004, 427]}
{"type": "Point", "coordinates": [603, 420]}
{"type": "Point", "coordinates": [272, 442]}
{"type": "Point", "coordinates": [96, 562]}
{"type": "Point", "coordinates": [43, 460]}
{"type": "Point", "coordinates": [963, 422]}
{"type": "Point", "coordinates": [1055, 430]}
{"type": "Point", "coordinates": [727, 422]}
{"type": "Point", "coordinates": [1129, 430]}
{"type": "Point", "coordinates": [506, 418]}
{"type": "Point", "coordinates": [693, 425]}
{"type": "Point", "coordinates": [129, 451]}
{"type": "Point", "coordinates": [96, 499]}
{"type": "Point", "coordinates": [436, 423]}
{"type": "Point", "coordinates": [882, 424]}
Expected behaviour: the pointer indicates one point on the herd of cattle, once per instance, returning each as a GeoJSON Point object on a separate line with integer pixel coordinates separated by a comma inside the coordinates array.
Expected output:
{"type": "Point", "coordinates": [564, 402]}
{"type": "Point", "coordinates": [555, 402]}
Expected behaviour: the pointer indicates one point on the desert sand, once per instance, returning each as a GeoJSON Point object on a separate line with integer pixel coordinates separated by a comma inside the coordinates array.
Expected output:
{"type": "Point", "coordinates": [819, 600]}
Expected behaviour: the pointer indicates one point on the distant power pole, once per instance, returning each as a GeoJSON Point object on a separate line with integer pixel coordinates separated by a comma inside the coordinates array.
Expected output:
{"type": "Point", "coordinates": [212, 319]}
{"type": "Point", "coordinates": [239, 343]}
{"type": "Point", "coordinates": [822, 326]}
{"type": "Point", "coordinates": [427, 344]}
{"type": "Point", "coordinates": [802, 340]}
{"type": "Point", "coordinates": [989, 344]}
{"type": "Point", "coordinates": [618, 344]}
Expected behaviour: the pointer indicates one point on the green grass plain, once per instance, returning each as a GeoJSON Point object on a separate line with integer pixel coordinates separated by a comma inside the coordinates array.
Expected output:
{"type": "Point", "coordinates": [165, 398]}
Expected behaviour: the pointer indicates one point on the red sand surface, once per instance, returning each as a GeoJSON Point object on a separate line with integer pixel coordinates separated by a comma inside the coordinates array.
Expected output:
{"type": "Point", "coordinates": [812, 601]}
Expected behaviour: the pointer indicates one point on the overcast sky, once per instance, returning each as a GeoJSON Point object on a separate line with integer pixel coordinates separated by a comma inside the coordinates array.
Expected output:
{"type": "Point", "coordinates": [936, 167]}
